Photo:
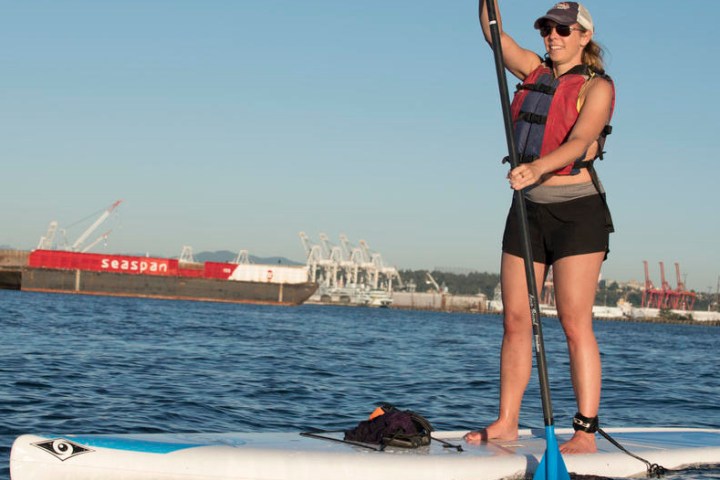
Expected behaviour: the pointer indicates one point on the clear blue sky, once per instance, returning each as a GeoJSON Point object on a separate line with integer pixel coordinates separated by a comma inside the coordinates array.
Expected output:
{"type": "Point", "coordinates": [237, 124]}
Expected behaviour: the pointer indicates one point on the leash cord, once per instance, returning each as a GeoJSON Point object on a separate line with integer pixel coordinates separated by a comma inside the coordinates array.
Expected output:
{"type": "Point", "coordinates": [653, 469]}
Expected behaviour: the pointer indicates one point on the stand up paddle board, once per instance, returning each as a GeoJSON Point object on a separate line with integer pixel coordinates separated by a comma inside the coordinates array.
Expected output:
{"type": "Point", "coordinates": [290, 456]}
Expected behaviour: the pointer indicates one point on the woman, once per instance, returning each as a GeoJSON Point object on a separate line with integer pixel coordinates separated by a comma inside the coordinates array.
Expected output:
{"type": "Point", "coordinates": [561, 115]}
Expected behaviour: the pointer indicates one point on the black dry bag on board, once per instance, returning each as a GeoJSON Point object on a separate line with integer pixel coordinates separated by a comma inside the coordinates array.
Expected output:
{"type": "Point", "coordinates": [389, 426]}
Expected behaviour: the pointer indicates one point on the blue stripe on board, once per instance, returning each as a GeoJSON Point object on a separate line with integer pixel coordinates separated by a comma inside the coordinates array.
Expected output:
{"type": "Point", "coordinates": [130, 444]}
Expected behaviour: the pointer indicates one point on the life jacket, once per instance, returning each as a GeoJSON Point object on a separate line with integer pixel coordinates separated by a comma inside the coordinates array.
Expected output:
{"type": "Point", "coordinates": [545, 110]}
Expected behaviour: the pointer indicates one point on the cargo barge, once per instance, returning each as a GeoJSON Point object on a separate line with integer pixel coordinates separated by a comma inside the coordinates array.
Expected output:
{"type": "Point", "coordinates": [60, 271]}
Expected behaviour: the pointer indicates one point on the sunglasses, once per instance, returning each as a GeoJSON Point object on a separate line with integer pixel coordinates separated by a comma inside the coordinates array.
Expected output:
{"type": "Point", "coordinates": [562, 30]}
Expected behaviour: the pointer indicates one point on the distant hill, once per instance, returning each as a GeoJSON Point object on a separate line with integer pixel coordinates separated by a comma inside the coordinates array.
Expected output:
{"type": "Point", "coordinates": [228, 256]}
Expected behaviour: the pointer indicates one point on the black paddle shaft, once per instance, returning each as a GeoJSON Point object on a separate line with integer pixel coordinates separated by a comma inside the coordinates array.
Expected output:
{"type": "Point", "coordinates": [522, 218]}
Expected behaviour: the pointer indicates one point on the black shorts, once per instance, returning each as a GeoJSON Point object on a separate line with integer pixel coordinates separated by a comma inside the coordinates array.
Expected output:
{"type": "Point", "coordinates": [560, 230]}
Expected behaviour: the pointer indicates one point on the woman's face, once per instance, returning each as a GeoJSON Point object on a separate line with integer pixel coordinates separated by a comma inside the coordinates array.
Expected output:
{"type": "Point", "coordinates": [564, 44]}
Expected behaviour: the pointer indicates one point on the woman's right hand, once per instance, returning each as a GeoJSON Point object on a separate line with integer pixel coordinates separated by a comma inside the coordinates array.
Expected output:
{"type": "Point", "coordinates": [519, 61]}
{"type": "Point", "coordinates": [524, 175]}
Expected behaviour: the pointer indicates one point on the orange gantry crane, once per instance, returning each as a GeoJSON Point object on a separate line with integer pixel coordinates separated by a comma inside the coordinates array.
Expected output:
{"type": "Point", "coordinates": [678, 298]}
{"type": "Point", "coordinates": [685, 299]}
{"type": "Point", "coordinates": [651, 296]}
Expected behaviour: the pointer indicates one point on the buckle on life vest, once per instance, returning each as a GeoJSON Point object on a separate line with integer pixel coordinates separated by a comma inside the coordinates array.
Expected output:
{"type": "Point", "coordinates": [537, 87]}
{"type": "Point", "coordinates": [532, 118]}
{"type": "Point", "coordinates": [521, 159]}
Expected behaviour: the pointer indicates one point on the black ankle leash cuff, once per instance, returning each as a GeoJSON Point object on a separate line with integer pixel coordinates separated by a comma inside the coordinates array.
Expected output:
{"type": "Point", "coordinates": [585, 424]}
{"type": "Point", "coordinates": [592, 425]}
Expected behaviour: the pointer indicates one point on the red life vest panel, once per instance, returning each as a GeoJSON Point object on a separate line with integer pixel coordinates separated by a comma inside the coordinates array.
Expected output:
{"type": "Point", "coordinates": [545, 110]}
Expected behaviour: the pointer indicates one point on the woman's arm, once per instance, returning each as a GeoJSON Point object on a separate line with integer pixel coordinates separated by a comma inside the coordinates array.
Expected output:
{"type": "Point", "coordinates": [519, 61]}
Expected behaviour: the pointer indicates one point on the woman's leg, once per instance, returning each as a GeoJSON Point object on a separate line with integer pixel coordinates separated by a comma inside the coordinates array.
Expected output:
{"type": "Point", "coordinates": [516, 354]}
{"type": "Point", "coordinates": [575, 280]}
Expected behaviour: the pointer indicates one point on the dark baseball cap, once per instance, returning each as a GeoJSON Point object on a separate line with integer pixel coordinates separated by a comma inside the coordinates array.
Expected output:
{"type": "Point", "coordinates": [568, 13]}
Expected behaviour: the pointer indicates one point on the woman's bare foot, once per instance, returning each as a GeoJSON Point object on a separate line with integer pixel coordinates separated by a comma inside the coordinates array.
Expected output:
{"type": "Point", "coordinates": [581, 442]}
{"type": "Point", "coordinates": [494, 431]}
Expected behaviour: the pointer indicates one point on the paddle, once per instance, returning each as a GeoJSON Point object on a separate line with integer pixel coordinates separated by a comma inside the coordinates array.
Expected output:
{"type": "Point", "coordinates": [552, 465]}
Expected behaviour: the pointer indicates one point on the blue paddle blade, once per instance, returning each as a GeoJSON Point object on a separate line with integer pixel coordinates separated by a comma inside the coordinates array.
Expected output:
{"type": "Point", "coordinates": [552, 466]}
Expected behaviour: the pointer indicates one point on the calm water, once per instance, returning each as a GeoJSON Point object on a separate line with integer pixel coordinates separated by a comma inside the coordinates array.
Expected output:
{"type": "Point", "coordinates": [81, 364]}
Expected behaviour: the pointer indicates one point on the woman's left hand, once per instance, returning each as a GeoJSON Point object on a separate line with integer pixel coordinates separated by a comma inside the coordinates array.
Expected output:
{"type": "Point", "coordinates": [523, 175]}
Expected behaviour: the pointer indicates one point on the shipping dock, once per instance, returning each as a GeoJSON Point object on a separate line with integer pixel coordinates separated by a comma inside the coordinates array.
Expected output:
{"type": "Point", "coordinates": [11, 263]}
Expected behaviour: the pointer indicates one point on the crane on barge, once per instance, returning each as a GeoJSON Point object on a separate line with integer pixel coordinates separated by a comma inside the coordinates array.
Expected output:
{"type": "Point", "coordinates": [47, 241]}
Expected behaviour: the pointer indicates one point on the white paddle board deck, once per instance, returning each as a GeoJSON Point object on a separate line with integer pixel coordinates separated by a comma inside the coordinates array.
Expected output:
{"type": "Point", "coordinates": [289, 456]}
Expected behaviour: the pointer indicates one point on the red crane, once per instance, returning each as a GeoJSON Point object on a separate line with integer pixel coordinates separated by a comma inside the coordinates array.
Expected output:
{"type": "Point", "coordinates": [666, 297]}
{"type": "Point", "coordinates": [651, 296]}
{"type": "Point", "coordinates": [685, 298]}
{"type": "Point", "coordinates": [667, 292]}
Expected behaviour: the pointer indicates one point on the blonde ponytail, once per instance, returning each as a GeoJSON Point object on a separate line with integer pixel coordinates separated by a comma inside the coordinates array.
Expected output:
{"type": "Point", "coordinates": [592, 56]}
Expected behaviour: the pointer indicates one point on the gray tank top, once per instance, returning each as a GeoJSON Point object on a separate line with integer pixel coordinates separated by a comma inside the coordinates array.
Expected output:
{"type": "Point", "coordinates": [560, 193]}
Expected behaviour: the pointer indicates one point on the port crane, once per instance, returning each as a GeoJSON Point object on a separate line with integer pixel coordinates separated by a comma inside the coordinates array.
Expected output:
{"type": "Point", "coordinates": [651, 296]}
{"type": "Point", "coordinates": [339, 266]}
{"type": "Point", "coordinates": [685, 298]}
{"type": "Point", "coordinates": [665, 288]}
{"type": "Point", "coordinates": [430, 280]}
{"type": "Point", "coordinates": [242, 258]}
{"type": "Point", "coordinates": [47, 241]}
{"type": "Point", "coordinates": [678, 298]}
{"type": "Point", "coordinates": [101, 238]}
{"type": "Point", "coordinates": [186, 255]}
{"type": "Point", "coordinates": [76, 247]}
